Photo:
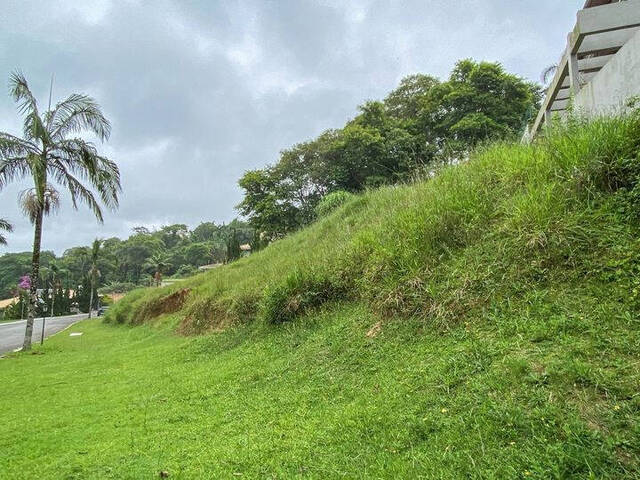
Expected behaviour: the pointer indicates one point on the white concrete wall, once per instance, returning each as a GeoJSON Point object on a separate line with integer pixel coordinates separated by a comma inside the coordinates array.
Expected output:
{"type": "Point", "coordinates": [612, 86]}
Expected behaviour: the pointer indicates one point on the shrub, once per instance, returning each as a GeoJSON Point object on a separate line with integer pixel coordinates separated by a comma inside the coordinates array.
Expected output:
{"type": "Point", "coordinates": [332, 201]}
{"type": "Point", "coordinates": [117, 287]}
{"type": "Point", "coordinates": [186, 271]}
{"type": "Point", "coordinates": [298, 293]}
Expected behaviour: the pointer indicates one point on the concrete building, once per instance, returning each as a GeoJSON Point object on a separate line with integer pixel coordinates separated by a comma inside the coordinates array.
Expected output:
{"type": "Point", "coordinates": [600, 66]}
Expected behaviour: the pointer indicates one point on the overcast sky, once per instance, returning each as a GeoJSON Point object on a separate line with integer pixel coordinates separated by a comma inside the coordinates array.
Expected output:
{"type": "Point", "coordinates": [200, 91]}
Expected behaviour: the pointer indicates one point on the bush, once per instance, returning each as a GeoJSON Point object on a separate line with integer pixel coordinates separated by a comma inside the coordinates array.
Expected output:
{"type": "Point", "coordinates": [297, 294]}
{"type": "Point", "coordinates": [332, 201]}
{"type": "Point", "coordinates": [117, 287]}
{"type": "Point", "coordinates": [186, 271]}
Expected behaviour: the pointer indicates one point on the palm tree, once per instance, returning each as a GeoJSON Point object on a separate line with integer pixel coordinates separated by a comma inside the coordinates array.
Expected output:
{"type": "Point", "coordinates": [548, 74]}
{"type": "Point", "coordinates": [49, 152]}
{"type": "Point", "coordinates": [6, 227]}
{"type": "Point", "coordinates": [94, 273]}
{"type": "Point", "coordinates": [158, 262]}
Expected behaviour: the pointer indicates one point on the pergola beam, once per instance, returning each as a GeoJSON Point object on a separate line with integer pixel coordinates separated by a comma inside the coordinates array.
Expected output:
{"type": "Point", "coordinates": [605, 18]}
{"type": "Point", "coordinates": [601, 29]}
{"type": "Point", "coordinates": [593, 63]}
{"type": "Point", "coordinates": [600, 41]}
{"type": "Point", "coordinates": [560, 105]}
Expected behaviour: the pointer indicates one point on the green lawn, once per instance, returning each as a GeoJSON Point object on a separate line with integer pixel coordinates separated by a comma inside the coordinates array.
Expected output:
{"type": "Point", "coordinates": [544, 394]}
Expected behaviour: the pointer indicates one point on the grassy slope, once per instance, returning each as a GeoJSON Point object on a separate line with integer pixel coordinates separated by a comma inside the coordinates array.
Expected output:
{"type": "Point", "coordinates": [503, 300]}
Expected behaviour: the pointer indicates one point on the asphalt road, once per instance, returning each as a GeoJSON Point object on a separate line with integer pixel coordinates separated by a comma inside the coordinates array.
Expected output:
{"type": "Point", "coordinates": [12, 333]}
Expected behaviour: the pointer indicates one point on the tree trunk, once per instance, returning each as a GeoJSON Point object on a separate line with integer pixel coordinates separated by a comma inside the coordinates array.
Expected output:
{"type": "Point", "coordinates": [33, 290]}
{"type": "Point", "coordinates": [93, 286]}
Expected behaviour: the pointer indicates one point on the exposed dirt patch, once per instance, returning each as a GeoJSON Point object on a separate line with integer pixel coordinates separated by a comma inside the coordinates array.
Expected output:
{"type": "Point", "coordinates": [205, 316]}
{"type": "Point", "coordinates": [168, 304]}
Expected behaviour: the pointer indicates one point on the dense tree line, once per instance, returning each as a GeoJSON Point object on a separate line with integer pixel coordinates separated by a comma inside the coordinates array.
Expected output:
{"type": "Point", "coordinates": [172, 250]}
{"type": "Point", "coordinates": [423, 122]}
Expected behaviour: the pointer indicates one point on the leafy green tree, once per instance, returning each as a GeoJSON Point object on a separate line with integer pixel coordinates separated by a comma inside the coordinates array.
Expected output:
{"type": "Point", "coordinates": [171, 235]}
{"type": "Point", "coordinates": [480, 101]}
{"type": "Point", "coordinates": [406, 101]}
{"type": "Point", "coordinates": [82, 297]}
{"type": "Point", "coordinates": [48, 152]}
{"type": "Point", "coordinates": [421, 122]}
{"type": "Point", "coordinates": [134, 253]}
{"type": "Point", "coordinates": [198, 254]}
{"type": "Point", "coordinates": [15, 265]}
{"type": "Point", "coordinates": [204, 232]}
{"type": "Point", "coordinates": [264, 203]}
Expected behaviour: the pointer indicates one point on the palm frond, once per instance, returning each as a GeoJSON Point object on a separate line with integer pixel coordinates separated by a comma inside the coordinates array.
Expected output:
{"type": "Point", "coordinates": [78, 113]}
{"type": "Point", "coordinates": [45, 154]}
{"type": "Point", "coordinates": [77, 191]}
{"type": "Point", "coordinates": [548, 73]}
{"type": "Point", "coordinates": [12, 169]}
{"type": "Point", "coordinates": [21, 93]}
{"type": "Point", "coordinates": [7, 227]}
{"type": "Point", "coordinates": [11, 146]}
{"type": "Point", "coordinates": [33, 128]}
{"type": "Point", "coordinates": [33, 202]}
{"type": "Point", "coordinates": [80, 158]}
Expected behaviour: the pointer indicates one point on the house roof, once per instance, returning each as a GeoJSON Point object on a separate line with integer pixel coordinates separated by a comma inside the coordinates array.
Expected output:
{"type": "Point", "coordinates": [7, 302]}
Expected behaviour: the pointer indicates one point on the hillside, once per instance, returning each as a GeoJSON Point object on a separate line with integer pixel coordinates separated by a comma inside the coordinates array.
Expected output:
{"type": "Point", "coordinates": [480, 323]}
{"type": "Point", "coordinates": [512, 220]}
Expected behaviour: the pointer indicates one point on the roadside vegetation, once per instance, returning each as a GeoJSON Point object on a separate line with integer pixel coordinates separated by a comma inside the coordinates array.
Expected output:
{"type": "Point", "coordinates": [480, 323]}
{"type": "Point", "coordinates": [128, 263]}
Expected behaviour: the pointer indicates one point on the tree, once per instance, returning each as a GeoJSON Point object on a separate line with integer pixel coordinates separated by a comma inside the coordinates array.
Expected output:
{"type": "Point", "coordinates": [94, 272]}
{"type": "Point", "coordinates": [157, 263]}
{"type": "Point", "coordinates": [171, 235]}
{"type": "Point", "coordinates": [48, 151]}
{"type": "Point", "coordinates": [204, 232]}
{"type": "Point", "coordinates": [134, 253]}
{"type": "Point", "coordinates": [405, 102]}
{"type": "Point", "coordinates": [198, 254]}
{"type": "Point", "coordinates": [265, 202]}
{"type": "Point", "coordinates": [480, 101]}
{"type": "Point", "coordinates": [233, 247]}
{"type": "Point", "coordinates": [6, 227]}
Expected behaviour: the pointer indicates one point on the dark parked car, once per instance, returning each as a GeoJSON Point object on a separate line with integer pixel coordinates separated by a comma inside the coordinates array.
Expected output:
{"type": "Point", "coordinates": [102, 310]}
